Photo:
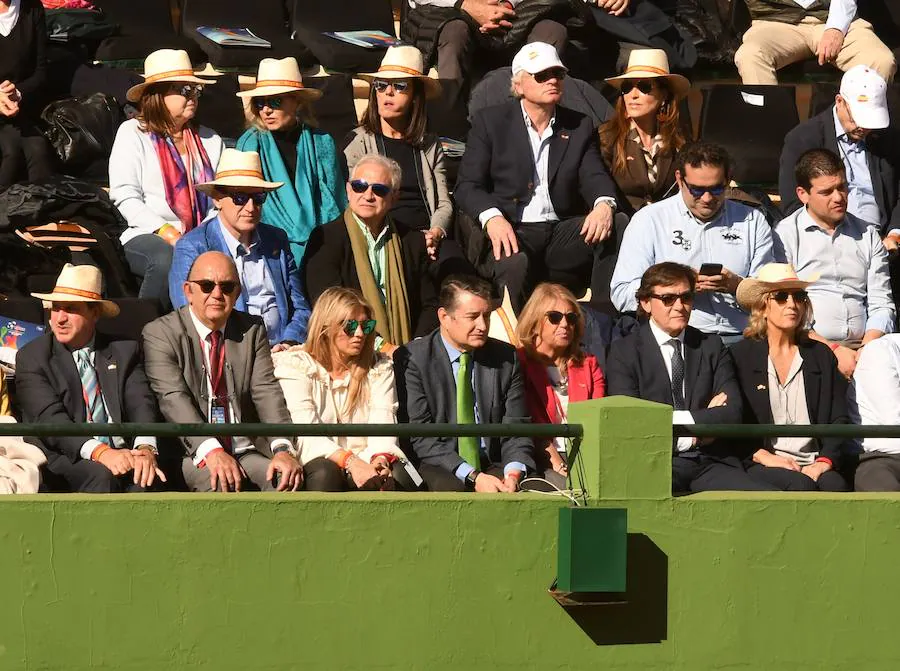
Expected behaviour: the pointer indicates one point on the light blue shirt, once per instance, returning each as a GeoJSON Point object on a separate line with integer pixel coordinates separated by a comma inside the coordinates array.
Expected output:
{"type": "Point", "coordinates": [853, 292]}
{"type": "Point", "coordinates": [256, 284]}
{"type": "Point", "coordinates": [862, 201]}
{"type": "Point", "coordinates": [465, 468]}
{"type": "Point", "coordinates": [740, 239]}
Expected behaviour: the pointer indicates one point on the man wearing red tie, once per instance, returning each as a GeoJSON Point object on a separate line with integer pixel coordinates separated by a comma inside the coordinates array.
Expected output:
{"type": "Point", "coordinates": [210, 363]}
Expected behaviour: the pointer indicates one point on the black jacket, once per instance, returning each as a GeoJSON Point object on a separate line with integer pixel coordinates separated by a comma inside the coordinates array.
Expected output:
{"type": "Point", "coordinates": [49, 390]}
{"type": "Point", "coordinates": [497, 169]}
{"type": "Point", "coordinates": [826, 389]}
{"type": "Point", "coordinates": [882, 150]}
{"type": "Point", "coordinates": [427, 393]}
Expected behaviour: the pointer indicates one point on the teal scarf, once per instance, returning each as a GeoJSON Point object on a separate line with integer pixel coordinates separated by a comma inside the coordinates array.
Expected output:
{"type": "Point", "coordinates": [316, 194]}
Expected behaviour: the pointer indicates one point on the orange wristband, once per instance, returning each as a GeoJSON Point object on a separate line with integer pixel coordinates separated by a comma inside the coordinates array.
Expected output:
{"type": "Point", "coordinates": [343, 458]}
{"type": "Point", "coordinates": [99, 450]}
{"type": "Point", "coordinates": [834, 346]}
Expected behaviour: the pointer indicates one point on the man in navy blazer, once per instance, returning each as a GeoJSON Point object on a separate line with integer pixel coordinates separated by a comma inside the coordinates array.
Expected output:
{"type": "Point", "coordinates": [271, 286]}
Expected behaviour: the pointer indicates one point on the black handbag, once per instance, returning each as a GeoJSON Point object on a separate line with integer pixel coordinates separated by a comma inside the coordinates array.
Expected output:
{"type": "Point", "coordinates": [82, 130]}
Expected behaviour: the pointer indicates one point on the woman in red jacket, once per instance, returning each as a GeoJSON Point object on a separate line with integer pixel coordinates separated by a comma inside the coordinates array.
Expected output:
{"type": "Point", "coordinates": [555, 369]}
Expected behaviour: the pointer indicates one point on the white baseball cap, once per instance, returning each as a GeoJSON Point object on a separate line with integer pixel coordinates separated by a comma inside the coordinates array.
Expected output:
{"type": "Point", "coordinates": [865, 93]}
{"type": "Point", "coordinates": [536, 57]}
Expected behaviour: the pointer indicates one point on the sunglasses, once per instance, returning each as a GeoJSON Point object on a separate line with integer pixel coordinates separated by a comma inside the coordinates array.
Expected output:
{"type": "Point", "coordinates": [669, 299]}
{"type": "Point", "coordinates": [273, 102]}
{"type": "Point", "coordinates": [351, 325]}
{"type": "Point", "coordinates": [400, 86]}
{"type": "Point", "coordinates": [699, 191]}
{"type": "Point", "coordinates": [207, 286]}
{"type": "Point", "coordinates": [550, 73]}
{"type": "Point", "coordinates": [781, 297]}
{"type": "Point", "coordinates": [555, 317]}
{"type": "Point", "coordinates": [241, 198]}
{"type": "Point", "coordinates": [187, 90]}
{"type": "Point", "coordinates": [361, 186]}
{"type": "Point", "coordinates": [645, 86]}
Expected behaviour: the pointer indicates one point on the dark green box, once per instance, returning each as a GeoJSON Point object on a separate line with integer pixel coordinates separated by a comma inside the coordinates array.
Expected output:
{"type": "Point", "coordinates": [592, 549]}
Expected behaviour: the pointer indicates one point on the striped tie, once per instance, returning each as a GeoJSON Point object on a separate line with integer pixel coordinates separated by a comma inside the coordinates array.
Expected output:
{"type": "Point", "coordinates": [96, 412]}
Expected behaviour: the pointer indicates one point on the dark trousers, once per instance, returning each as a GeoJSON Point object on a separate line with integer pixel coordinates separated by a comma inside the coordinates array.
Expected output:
{"type": "Point", "coordinates": [793, 481]}
{"type": "Point", "coordinates": [439, 479]}
{"type": "Point", "coordinates": [878, 472]}
{"type": "Point", "coordinates": [323, 475]}
{"type": "Point", "coordinates": [554, 252]}
{"type": "Point", "coordinates": [150, 258]}
{"type": "Point", "coordinates": [255, 465]}
{"type": "Point", "coordinates": [701, 473]}
{"type": "Point", "coordinates": [85, 477]}
{"type": "Point", "coordinates": [24, 154]}
{"type": "Point", "coordinates": [457, 45]}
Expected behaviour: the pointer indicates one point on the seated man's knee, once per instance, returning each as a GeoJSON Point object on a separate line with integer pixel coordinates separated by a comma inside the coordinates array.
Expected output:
{"type": "Point", "coordinates": [100, 480]}
{"type": "Point", "coordinates": [454, 34]}
{"type": "Point", "coordinates": [550, 32]}
{"type": "Point", "coordinates": [515, 265]}
{"type": "Point", "coordinates": [323, 475]}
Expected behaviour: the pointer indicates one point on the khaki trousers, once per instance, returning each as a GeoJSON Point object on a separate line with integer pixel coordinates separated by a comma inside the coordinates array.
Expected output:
{"type": "Point", "coordinates": [770, 45]}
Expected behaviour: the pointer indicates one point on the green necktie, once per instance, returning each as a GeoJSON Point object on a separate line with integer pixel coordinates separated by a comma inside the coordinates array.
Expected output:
{"type": "Point", "coordinates": [465, 411]}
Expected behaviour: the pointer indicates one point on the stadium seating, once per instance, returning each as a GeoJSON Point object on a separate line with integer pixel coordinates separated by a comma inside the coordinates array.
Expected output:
{"type": "Point", "coordinates": [144, 27]}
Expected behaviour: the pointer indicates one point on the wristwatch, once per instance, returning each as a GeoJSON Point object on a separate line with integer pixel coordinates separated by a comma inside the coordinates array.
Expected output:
{"type": "Point", "coordinates": [471, 478]}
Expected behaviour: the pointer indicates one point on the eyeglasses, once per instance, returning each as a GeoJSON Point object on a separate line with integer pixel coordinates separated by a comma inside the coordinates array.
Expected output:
{"type": "Point", "coordinates": [668, 300]}
{"type": "Point", "coordinates": [645, 86]}
{"type": "Point", "coordinates": [548, 74]}
{"type": "Point", "coordinates": [207, 286]}
{"type": "Point", "coordinates": [555, 317]}
{"type": "Point", "coordinates": [781, 297]}
{"type": "Point", "coordinates": [273, 102]}
{"type": "Point", "coordinates": [699, 191]}
{"type": "Point", "coordinates": [187, 90]}
{"type": "Point", "coordinates": [399, 85]}
{"type": "Point", "coordinates": [361, 186]}
{"type": "Point", "coordinates": [367, 325]}
{"type": "Point", "coordinates": [241, 198]}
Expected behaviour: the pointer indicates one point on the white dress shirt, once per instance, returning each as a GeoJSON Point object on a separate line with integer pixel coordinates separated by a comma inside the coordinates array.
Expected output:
{"type": "Point", "coordinates": [840, 13]}
{"type": "Point", "coordinates": [239, 444]}
{"type": "Point", "coordinates": [861, 201]}
{"type": "Point", "coordinates": [874, 396]}
{"type": "Point", "coordinates": [663, 339]}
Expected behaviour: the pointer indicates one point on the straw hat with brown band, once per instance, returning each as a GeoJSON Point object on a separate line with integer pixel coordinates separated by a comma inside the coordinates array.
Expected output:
{"type": "Point", "coordinates": [404, 62]}
{"type": "Point", "coordinates": [239, 169]}
{"type": "Point", "coordinates": [166, 65]}
{"type": "Point", "coordinates": [80, 284]}
{"type": "Point", "coordinates": [652, 64]}
{"type": "Point", "coordinates": [276, 76]}
{"type": "Point", "coordinates": [771, 277]}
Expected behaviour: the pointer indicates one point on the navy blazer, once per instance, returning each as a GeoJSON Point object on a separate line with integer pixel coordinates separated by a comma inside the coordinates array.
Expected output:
{"type": "Point", "coordinates": [293, 308]}
{"type": "Point", "coordinates": [497, 169]}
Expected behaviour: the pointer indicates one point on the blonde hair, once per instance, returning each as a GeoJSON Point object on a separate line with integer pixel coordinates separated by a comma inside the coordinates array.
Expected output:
{"type": "Point", "coordinates": [305, 115]}
{"type": "Point", "coordinates": [334, 307]}
{"type": "Point", "coordinates": [758, 326]}
{"type": "Point", "coordinates": [534, 313]}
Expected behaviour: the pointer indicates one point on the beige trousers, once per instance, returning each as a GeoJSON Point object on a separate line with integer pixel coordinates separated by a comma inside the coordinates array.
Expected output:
{"type": "Point", "coordinates": [769, 46]}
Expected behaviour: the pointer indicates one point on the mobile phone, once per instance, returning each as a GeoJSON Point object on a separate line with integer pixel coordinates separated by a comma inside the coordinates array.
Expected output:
{"type": "Point", "coordinates": [711, 269]}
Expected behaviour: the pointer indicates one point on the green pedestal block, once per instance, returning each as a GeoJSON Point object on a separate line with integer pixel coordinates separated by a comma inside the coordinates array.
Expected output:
{"type": "Point", "coordinates": [592, 549]}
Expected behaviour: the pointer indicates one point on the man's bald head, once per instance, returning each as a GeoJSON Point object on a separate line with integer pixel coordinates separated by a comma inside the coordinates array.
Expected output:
{"type": "Point", "coordinates": [212, 288]}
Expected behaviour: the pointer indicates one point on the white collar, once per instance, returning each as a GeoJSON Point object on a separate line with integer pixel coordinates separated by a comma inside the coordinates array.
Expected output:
{"type": "Point", "coordinates": [528, 123]}
{"type": "Point", "coordinates": [661, 337]}
{"type": "Point", "coordinates": [9, 20]}
{"type": "Point", "coordinates": [202, 329]}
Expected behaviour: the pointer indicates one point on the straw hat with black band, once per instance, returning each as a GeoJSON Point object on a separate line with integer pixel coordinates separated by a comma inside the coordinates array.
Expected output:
{"type": "Point", "coordinates": [652, 64]}
{"type": "Point", "coordinates": [771, 277]}
{"type": "Point", "coordinates": [279, 76]}
{"type": "Point", "coordinates": [166, 65]}
{"type": "Point", "coordinates": [239, 170]}
{"type": "Point", "coordinates": [404, 62]}
{"type": "Point", "coordinates": [80, 284]}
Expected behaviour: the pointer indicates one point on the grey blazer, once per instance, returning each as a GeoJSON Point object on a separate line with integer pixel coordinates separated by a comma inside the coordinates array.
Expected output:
{"type": "Point", "coordinates": [427, 393]}
{"type": "Point", "coordinates": [175, 367]}
{"type": "Point", "coordinates": [433, 179]}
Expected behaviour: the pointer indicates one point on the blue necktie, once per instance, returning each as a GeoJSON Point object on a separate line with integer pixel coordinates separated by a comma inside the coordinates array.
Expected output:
{"type": "Point", "coordinates": [96, 412]}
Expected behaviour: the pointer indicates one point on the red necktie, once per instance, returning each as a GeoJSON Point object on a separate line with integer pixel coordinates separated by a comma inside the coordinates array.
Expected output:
{"type": "Point", "coordinates": [217, 380]}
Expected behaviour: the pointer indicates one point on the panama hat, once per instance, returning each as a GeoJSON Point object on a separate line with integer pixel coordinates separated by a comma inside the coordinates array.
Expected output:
{"type": "Point", "coordinates": [238, 169]}
{"type": "Point", "coordinates": [166, 65]}
{"type": "Point", "coordinates": [650, 64]}
{"type": "Point", "coordinates": [771, 277]}
{"type": "Point", "coordinates": [403, 62]}
{"type": "Point", "coordinates": [276, 76]}
{"type": "Point", "coordinates": [80, 284]}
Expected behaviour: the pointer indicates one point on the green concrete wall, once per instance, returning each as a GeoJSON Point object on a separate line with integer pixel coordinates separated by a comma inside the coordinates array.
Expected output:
{"type": "Point", "coordinates": [384, 581]}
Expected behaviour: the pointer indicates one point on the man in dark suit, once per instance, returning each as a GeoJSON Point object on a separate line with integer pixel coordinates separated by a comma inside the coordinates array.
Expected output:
{"type": "Point", "coordinates": [856, 128]}
{"type": "Point", "coordinates": [669, 362]}
{"type": "Point", "coordinates": [533, 178]}
{"type": "Point", "coordinates": [207, 362]}
{"type": "Point", "coordinates": [74, 375]}
{"type": "Point", "coordinates": [363, 250]}
{"type": "Point", "coordinates": [270, 282]}
{"type": "Point", "coordinates": [492, 391]}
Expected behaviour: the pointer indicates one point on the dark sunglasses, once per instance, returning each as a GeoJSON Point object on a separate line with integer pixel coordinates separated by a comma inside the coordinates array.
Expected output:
{"type": "Point", "coordinates": [273, 102]}
{"type": "Point", "coordinates": [698, 191]}
{"type": "Point", "coordinates": [241, 198]}
{"type": "Point", "coordinates": [645, 86]}
{"type": "Point", "coordinates": [351, 325]}
{"type": "Point", "coordinates": [669, 299]}
{"type": "Point", "coordinates": [187, 90]}
{"type": "Point", "coordinates": [361, 186]}
{"type": "Point", "coordinates": [555, 317]}
{"type": "Point", "coordinates": [550, 73]}
{"type": "Point", "coordinates": [400, 86]}
{"type": "Point", "coordinates": [207, 286]}
{"type": "Point", "coordinates": [781, 297]}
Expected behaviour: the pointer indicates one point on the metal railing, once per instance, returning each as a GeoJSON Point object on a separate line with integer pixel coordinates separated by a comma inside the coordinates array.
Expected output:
{"type": "Point", "coordinates": [787, 430]}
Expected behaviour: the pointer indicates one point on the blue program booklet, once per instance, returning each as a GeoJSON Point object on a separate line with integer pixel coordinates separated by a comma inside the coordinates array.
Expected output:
{"type": "Point", "coordinates": [14, 335]}
{"type": "Point", "coordinates": [370, 39]}
{"type": "Point", "coordinates": [233, 37]}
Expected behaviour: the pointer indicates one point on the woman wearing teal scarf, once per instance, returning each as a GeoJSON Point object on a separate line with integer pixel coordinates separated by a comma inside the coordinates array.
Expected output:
{"type": "Point", "coordinates": [294, 152]}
